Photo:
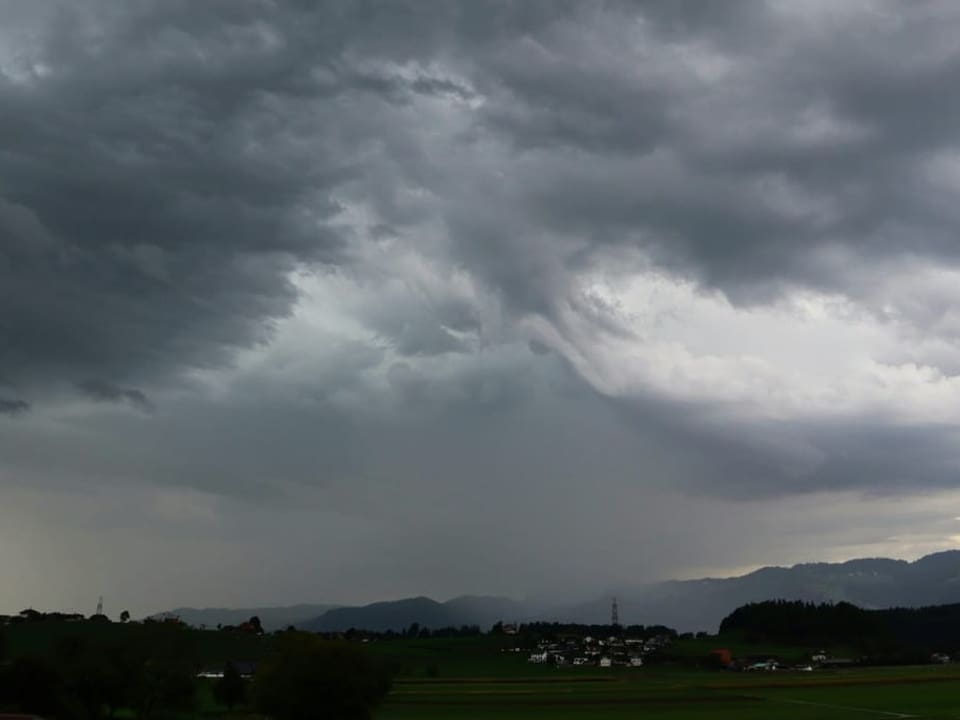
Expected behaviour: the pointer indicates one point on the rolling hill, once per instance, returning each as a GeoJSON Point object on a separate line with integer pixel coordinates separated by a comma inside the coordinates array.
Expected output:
{"type": "Point", "coordinates": [400, 614]}
{"type": "Point", "coordinates": [272, 618]}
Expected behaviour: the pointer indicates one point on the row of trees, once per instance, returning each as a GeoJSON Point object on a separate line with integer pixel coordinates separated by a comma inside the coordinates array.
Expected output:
{"type": "Point", "coordinates": [535, 629]}
{"type": "Point", "coordinates": [789, 621]}
{"type": "Point", "coordinates": [551, 630]}
{"type": "Point", "coordinates": [31, 615]}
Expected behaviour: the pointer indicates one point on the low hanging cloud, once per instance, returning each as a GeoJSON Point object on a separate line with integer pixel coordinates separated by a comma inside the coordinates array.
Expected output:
{"type": "Point", "coordinates": [102, 391]}
{"type": "Point", "coordinates": [13, 407]}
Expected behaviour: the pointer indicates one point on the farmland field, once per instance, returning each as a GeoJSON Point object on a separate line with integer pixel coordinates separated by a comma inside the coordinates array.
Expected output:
{"type": "Point", "coordinates": [567, 694]}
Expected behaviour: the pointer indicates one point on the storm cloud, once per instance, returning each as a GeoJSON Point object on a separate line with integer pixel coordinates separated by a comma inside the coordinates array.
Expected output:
{"type": "Point", "coordinates": [508, 281]}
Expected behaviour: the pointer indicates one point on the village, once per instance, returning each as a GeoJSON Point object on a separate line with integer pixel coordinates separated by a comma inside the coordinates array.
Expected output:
{"type": "Point", "coordinates": [610, 652]}
{"type": "Point", "coordinates": [630, 652]}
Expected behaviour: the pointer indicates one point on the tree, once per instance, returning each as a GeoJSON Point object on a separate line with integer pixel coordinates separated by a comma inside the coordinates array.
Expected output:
{"type": "Point", "coordinates": [231, 688]}
{"type": "Point", "coordinates": [125, 616]}
{"type": "Point", "coordinates": [159, 662]}
{"type": "Point", "coordinates": [95, 679]}
{"type": "Point", "coordinates": [82, 675]}
{"type": "Point", "coordinates": [309, 678]}
{"type": "Point", "coordinates": [33, 685]}
{"type": "Point", "coordinates": [162, 686]}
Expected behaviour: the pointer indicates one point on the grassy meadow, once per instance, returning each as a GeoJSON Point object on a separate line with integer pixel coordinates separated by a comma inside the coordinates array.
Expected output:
{"type": "Point", "coordinates": [475, 679]}
{"type": "Point", "coordinates": [914, 692]}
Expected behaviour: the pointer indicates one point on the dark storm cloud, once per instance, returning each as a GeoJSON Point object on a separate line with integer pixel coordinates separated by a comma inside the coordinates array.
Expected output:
{"type": "Point", "coordinates": [13, 407]}
{"type": "Point", "coordinates": [166, 166]}
{"type": "Point", "coordinates": [733, 152]}
{"type": "Point", "coordinates": [155, 192]}
{"type": "Point", "coordinates": [102, 391]}
{"type": "Point", "coordinates": [145, 232]}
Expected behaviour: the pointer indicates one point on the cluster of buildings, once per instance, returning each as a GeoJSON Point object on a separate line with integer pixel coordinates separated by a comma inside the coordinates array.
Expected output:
{"type": "Point", "coordinates": [610, 652]}
{"type": "Point", "coordinates": [245, 669]}
{"type": "Point", "coordinates": [818, 660]}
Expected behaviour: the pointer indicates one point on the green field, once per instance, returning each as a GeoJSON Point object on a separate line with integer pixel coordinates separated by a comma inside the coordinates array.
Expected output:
{"type": "Point", "coordinates": [472, 679]}
{"type": "Point", "coordinates": [919, 692]}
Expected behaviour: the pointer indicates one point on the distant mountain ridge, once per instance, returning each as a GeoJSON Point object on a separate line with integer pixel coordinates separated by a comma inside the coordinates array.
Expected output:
{"type": "Point", "coordinates": [869, 583]}
{"type": "Point", "coordinates": [271, 618]}
{"type": "Point", "coordinates": [400, 614]}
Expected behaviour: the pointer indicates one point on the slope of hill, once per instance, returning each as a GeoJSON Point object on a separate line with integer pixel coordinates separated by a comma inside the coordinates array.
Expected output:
{"type": "Point", "coordinates": [868, 583]}
{"type": "Point", "coordinates": [400, 614]}
{"type": "Point", "coordinates": [272, 618]}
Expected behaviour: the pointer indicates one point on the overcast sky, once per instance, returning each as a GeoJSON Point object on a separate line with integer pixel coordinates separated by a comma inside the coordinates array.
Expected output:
{"type": "Point", "coordinates": [356, 300]}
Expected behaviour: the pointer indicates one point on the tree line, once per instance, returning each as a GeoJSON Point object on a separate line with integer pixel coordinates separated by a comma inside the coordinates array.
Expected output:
{"type": "Point", "coordinates": [907, 634]}
{"type": "Point", "coordinates": [150, 671]}
{"type": "Point", "coordinates": [553, 630]}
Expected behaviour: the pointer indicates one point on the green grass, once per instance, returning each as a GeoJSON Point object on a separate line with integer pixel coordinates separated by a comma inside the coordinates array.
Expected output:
{"type": "Point", "coordinates": [441, 658]}
{"type": "Point", "coordinates": [697, 649]}
{"type": "Point", "coordinates": [676, 694]}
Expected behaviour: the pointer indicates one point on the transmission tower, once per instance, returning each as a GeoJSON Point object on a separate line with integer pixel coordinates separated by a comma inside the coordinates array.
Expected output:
{"type": "Point", "coordinates": [614, 615]}
{"type": "Point", "coordinates": [100, 606]}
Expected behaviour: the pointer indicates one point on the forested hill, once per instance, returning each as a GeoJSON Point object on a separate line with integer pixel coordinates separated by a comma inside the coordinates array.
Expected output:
{"type": "Point", "coordinates": [271, 618]}
{"type": "Point", "coordinates": [400, 614]}
{"type": "Point", "coordinates": [926, 629]}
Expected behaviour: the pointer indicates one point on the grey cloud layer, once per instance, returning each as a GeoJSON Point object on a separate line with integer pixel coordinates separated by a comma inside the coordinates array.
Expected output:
{"type": "Point", "coordinates": [166, 166]}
